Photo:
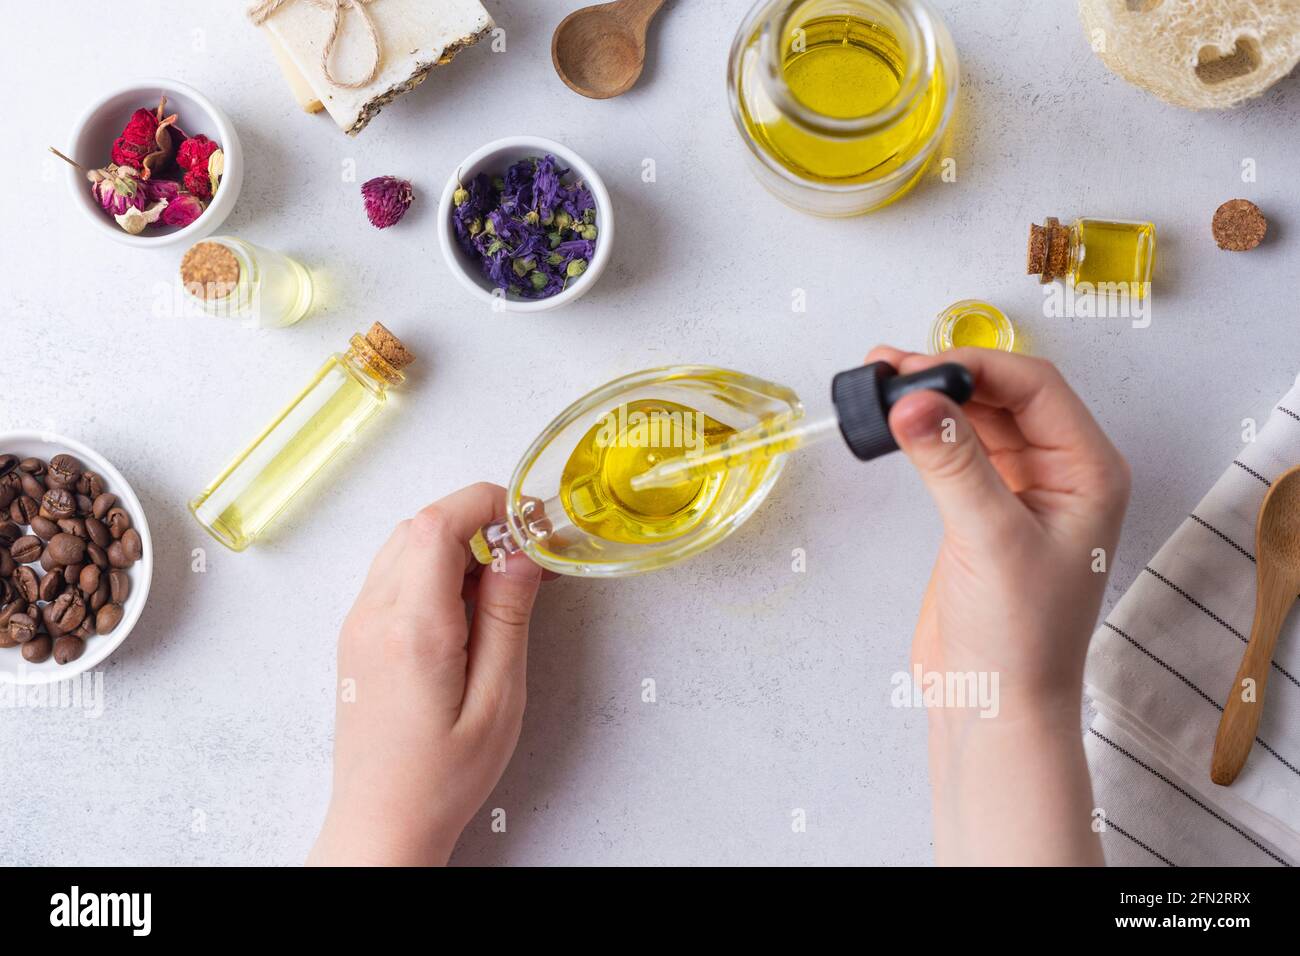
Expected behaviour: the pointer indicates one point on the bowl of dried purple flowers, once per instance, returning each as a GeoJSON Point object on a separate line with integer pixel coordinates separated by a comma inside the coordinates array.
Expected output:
{"type": "Point", "coordinates": [525, 224]}
{"type": "Point", "coordinates": [155, 163]}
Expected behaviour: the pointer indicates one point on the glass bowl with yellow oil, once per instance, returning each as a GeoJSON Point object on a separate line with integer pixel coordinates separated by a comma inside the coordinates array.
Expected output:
{"type": "Point", "coordinates": [842, 103]}
{"type": "Point", "coordinates": [571, 506]}
{"type": "Point", "coordinates": [971, 323]}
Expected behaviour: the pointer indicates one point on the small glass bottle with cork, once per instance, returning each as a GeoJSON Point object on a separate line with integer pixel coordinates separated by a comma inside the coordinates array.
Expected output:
{"type": "Point", "coordinates": [350, 389]}
{"type": "Point", "coordinates": [232, 278]}
{"type": "Point", "coordinates": [1094, 255]}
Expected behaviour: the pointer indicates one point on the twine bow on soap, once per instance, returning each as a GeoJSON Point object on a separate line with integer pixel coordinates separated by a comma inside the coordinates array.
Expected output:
{"type": "Point", "coordinates": [261, 11]}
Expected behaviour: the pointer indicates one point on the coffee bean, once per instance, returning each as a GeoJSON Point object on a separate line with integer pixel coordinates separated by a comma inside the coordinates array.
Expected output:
{"type": "Point", "coordinates": [21, 628]}
{"type": "Point", "coordinates": [88, 579]}
{"type": "Point", "coordinates": [5, 639]}
{"type": "Point", "coordinates": [27, 584]}
{"type": "Point", "coordinates": [65, 614]}
{"type": "Point", "coordinates": [91, 485]}
{"type": "Point", "coordinates": [16, 606]}
{"type": "Point", "coordinates": [102, 505]}
{"type": "Point", "coordinates": [109, 617]}
{"type": "Point", "coordinates": [23, 509]}
{"type": "Point", "coordinates": [132, 544]}
{"type": "Point", "coordinates": [67, 549]}
{"type": "Point", "coordinates": [64, 472]}
{"type": "Point", "coordinates": [101, 595]}
{"type": "Point", "coordinates": [73, 526]}
{"type": "Point", "coordinates": [7, 494]}
{"type": "Point", "coordinates": [86, 629]}
{"type": "Point", "coordinates": [7, 564]}
{"type": "Point", "coordinates": [47, 561]}
{"type": "Point", "coordinates": [9, 532]}
{"type": "Point", "coordinates": [43, 527]}
{"type": "Point", "coordinates": [118, 557]}
{"type": "Point", "coordinates": [26, 549]}
{"type": "Point", "coordinates": [97, 554]}
{"type": "Point", "coordinates": [33, 466]}
{"type": "Point", "coordinates": [118, 521]}
{"type": "Point", "coordinates": [68, 649]}
{"type": "Point", "coordinates": [72, 573]}
{"type": "Point", "coordinates": [37, 650]}
{"type": "Point", "coordinates": [7, 464]}
{"type": "Point", "coordinates": [49, 587]}
{"type": "Point", "coordinates": [119, 583]}
{"type": "Point", "coordinates": [97, 533]}
{"type": "Point", "coordinates": [32, 486]}
{"type": "Point", "coordinates": [58, 503]}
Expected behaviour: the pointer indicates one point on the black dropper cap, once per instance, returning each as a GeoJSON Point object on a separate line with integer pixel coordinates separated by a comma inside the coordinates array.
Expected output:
{"type": "Point", "coordinates": [863, 397]}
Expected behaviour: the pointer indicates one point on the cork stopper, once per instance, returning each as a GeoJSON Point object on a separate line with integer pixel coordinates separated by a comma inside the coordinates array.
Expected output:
{"type": "Point", "coordinates": [389, 346]}
{"type": "Point", "coordinates": [1049, 250]}
{"type": "Point", "coordinates": [1238, 225]}
{"type": "Point", "coordinates": [209, 271]}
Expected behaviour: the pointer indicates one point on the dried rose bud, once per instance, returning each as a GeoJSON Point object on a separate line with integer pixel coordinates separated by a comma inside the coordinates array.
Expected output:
{"type": "Point", "coordinates": [117, 188]}
{"type": "Point", "coordinates": [387, 199]}
{"type": "Point", "coordinates": [182, 210]}
{"type": "Point", "coordinates": [134, 220]}
{"type": "Point", "coordinates": [138, 140]}
{"type": "Point", "coordinates": [195, 152]}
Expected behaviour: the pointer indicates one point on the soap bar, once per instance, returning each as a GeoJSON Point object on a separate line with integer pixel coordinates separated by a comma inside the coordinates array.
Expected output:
{"type": "Point", "coordinates": [414, 37]}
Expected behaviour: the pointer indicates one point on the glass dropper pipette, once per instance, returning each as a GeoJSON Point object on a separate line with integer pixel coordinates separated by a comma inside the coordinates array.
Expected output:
{"type": "Point", "coordinates": [862, 398]}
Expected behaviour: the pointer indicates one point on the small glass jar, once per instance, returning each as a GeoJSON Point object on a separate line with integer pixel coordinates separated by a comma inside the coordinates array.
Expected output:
{"type": "Point", "coordinates": [1095, 255]}
{"type": "Point", "coordinates": [972, 323]}
{"type": "Point", "coordinates": [842, 103]}
{"type": "Point", "coordinates": [231, 278]}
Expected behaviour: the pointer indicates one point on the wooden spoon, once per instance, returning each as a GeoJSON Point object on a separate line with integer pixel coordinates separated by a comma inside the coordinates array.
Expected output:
{"type": "Point", "coordinates": [1277, 570]}
{"type": "Point", "coordinates": [599, 51]}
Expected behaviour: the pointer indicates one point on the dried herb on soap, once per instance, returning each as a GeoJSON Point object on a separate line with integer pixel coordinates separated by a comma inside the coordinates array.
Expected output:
{"type": "Point", "coordinates": [530, 231]}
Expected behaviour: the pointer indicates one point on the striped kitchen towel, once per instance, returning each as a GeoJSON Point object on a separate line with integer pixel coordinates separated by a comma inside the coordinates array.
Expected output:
{"type": "Point", "coordinates": [1160, 667]}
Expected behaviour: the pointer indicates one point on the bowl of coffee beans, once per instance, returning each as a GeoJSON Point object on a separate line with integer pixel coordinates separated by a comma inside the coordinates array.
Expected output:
{"type": "Point", "coordinates": [76, 559]}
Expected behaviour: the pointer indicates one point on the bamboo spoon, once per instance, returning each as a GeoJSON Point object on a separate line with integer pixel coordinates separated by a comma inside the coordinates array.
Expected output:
{"type": "Point", "coordinates": [599, 51]}
{"type": "Point", "coordinates": [1277, 570]}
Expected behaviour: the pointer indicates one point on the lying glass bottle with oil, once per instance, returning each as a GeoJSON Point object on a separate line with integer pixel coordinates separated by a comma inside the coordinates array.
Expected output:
{"type": "Point", "coordinates": [350, 389]}
{"type": "Point", "coordinates": [1094, 255]}
{"type": "Point", "coordinates": [842, 103]}
{"type": "Point", "coordinates": [663, 464]}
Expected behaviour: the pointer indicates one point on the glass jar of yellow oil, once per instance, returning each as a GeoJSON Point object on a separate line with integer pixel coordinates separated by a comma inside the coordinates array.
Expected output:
{"type": "Point", "coordinates": [1094, 255]}
{"type": "Point", "coordinates": [231, 278]}
{"type": "Point", "coordinates": [842, 103]}
{"type": "Point", "coordinates": [971, 323]}
{"type": "Point", "coordinates": [350, 389]}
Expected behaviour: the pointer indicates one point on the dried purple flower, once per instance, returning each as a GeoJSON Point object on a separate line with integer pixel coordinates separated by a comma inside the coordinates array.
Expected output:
{"type": "Point", "coordinates": [387, 199]}
{"type": "Point", "coordinates": [530, 231]}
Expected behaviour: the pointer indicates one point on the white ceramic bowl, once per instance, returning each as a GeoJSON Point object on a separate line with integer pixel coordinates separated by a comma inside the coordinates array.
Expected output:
{"type": "Point", "coordinates": [493, 159]}
{"type": "Point", "coordinates": [102, 122]}
{"type": "Point", "coordinates": [13, 667]}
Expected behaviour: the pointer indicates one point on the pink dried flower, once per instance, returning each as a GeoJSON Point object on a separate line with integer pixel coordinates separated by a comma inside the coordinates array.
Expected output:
{"type": "Point", "coordinates": [182, 210]}
{"type": "Point", "coordinates": [117, 188]}
{"type": "Point", "coordinates": [387, 199]}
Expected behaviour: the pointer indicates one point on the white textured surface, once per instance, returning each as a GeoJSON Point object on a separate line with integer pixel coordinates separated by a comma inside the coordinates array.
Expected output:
{"type": "Point", "coordinates": [214, 745]}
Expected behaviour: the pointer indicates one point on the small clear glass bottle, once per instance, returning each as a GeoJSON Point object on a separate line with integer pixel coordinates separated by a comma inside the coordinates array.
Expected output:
{"type": "Point", "coordinates": [841, 103]}
{"type": "Point", "coordinates": [231, 278]}
{"type": "Point", "coordinates": [1094, 255]}
{"type": "Point", "coordinates": [348, 391]}
{"type": "Point", "coordinates": [971, 322]}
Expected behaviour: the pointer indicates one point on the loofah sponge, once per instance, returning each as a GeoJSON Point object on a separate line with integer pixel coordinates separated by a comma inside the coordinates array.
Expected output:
{"type": "Point", "coordinates": [1201, 54]}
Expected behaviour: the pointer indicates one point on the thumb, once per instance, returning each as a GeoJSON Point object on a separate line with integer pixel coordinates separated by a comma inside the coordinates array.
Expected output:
{"type": "Point", "coordinates": [938, 438]}
{"type": "Point", "coordinates": [498, 642]}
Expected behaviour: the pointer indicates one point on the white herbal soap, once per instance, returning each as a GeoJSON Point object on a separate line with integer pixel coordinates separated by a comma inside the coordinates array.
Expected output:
{"type": "Point", "coordinates": [414, 36]}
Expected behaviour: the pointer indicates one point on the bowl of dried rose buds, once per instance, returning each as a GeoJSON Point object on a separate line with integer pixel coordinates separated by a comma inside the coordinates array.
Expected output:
{"type": "Point", "coordinates": [525, 224]}
{"type": "Point", "coordinates": [154, 163]}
